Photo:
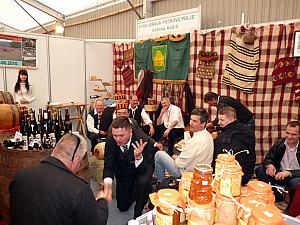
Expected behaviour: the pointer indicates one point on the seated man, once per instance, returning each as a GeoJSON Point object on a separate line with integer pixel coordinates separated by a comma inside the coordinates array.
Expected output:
{"type": "Point", "coordinates": [281, 164]}
{"type": "Point", "coordinates": [196, 150]}
{"type": "Point", "coordinates": [237, 137]}
{"type": "Point", "coordinates": [170, 124]}
{"type": "Point", "coordinates": [94, 124]}
{"type": "Point", "coordinates": [138, 113]}
{"type": "Point", "coordinates": [129, 158]}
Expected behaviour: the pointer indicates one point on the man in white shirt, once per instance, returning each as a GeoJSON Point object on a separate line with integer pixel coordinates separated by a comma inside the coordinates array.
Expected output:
{"type": "Point", "coordinates": [94, 125]}
{"type": "Point", "coordinates": [196, 150]}
{"type": "Point", "coordinates": [128, 157]}
{"type": "Point", "coordinates": [138, 113]}
{"type": "Point", "coordinates": [281, 165]}
{"type": "Point", "coordinates": [170, 124]}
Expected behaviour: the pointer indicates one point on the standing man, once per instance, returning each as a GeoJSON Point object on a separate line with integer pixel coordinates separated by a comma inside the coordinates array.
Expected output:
{"type": "Point", "coordinates": [237, 137]}
{"type": "Point", "coordinates": [243, 113]}
{"type": "Point", "coordinates": [129, 158]}
{"type": "Point", "coordinates": [170, 124]}
{"type": "Point", "coordinates": [50, 193]}
{"type": "Point", "coordinates": [197, 150]}
{"type": "Point", "coordinates": [281, 164]}
{"type": "Point", "coordinates": [95, 125]}
{"type": "Point", "coordinates": [138, 113]}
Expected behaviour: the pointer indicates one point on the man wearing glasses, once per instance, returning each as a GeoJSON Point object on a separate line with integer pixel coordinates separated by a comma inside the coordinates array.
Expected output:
{"type": "Point", "coordinates": [50, 192]}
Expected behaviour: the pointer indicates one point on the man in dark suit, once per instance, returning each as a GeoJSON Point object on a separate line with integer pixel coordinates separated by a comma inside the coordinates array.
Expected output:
{"type": "Point", "coordinates": [244, 115]}
{"type": "Point", "coordinates": [129, 158]}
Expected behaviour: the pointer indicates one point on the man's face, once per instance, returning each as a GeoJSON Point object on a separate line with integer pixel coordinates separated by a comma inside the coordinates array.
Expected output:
{"type": "Point", "coordinates": [121, 135]}
{"type": "Point", "coordinates": [165, 103]}
{"type": "Point", "coordinates": [292, 135]}
{"type": "Point", "coordinates": [99, 105]}
{"type": "Point", "coordinates": [134, 101]}
{"type": "Point", "coordinates": [195, 123]}
{"type": "Point", "coordinates": [212, 102]}
{"type": "Point", "coordinates": [224, 120]}
{"type": "Point", "coordinates": [122, 112]}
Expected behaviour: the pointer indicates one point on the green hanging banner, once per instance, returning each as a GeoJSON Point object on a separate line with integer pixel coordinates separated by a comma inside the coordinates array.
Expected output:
{"type": "Point", "coordinates": [168, 59]}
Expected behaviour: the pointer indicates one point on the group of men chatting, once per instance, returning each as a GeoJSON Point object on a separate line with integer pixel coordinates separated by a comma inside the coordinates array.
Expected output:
{"type": "Point", "coordinates": [137, 148]}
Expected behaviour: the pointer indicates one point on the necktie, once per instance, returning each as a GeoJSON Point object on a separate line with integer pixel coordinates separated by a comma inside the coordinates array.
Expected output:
{"type": "Point", "coordinates": [125, 149]}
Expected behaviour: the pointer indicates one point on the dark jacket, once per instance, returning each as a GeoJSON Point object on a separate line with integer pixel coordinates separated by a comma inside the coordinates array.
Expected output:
{"type": "Point", "coordinates": [238, 137]}
{"type": "Point", "coordinates": [49, 193]}
{"type": "Point", "coordinates": [122, 165]}
{"type": "Point", "coordinates": [275, 155]}
{"type": "Point", "coordinates": [243, 113]}
{"type": "Point", "coordinates": [137, 114]}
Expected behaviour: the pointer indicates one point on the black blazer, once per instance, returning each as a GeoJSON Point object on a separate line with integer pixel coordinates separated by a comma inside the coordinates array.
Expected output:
{"type": "Point", "coordinates": [122, 165]}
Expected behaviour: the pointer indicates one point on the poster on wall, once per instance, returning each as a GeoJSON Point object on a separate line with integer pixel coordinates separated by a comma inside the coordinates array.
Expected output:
{"type": "Point", "coordinates": [17, 51]}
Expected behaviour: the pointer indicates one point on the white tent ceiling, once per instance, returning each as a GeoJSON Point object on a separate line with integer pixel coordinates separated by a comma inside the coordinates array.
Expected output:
{"type": "Point", "coordinates": [13, 15]}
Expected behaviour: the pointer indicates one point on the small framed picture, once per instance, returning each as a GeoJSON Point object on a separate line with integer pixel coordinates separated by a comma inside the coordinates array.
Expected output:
{"type": "Point", "coordinates": [296, 51]}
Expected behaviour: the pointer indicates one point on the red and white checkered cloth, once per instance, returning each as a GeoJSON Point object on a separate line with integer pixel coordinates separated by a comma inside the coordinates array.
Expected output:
{"type": "Point", "coordinates": [273, 106]}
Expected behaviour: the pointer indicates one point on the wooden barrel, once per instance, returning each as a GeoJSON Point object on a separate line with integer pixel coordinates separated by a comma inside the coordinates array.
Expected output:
{"type": "Point", "coordinates": [13, 160]}
{"type": "Point", "coordinates": [9, 116]}
{"type": "Point", "coordinates": [6, 98]}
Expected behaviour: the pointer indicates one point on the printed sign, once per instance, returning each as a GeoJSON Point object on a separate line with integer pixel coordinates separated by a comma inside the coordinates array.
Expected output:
{"type": "Point", "coordinates": [17, 51]}
{"type": "Point", "coordinates": [174, 23]}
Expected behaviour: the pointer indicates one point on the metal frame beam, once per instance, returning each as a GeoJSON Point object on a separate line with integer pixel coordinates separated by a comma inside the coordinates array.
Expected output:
{"type": "Point", "coordinates": [46, 9]}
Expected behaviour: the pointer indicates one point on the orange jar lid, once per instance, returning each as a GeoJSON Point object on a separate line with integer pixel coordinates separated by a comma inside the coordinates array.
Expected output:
{"type": "Point", "coordinates": [226, 199]}
{"type": "Point", "coordinates": [252, 202]}
{"type": "Point", "coordinates": [226, 157]}
{"type": "Point", "coordinates": [233, 169]}
{"type": "Point", "coordinates": [267, 215]}
{"type": "Point", "coordinates": [203, 168]}
{"type": "Point", "coordinates": [259, 187]}
{"type": "Point", "coordinates": [170, 195]}
{"type": "Point", "coordinates": [210, 205]}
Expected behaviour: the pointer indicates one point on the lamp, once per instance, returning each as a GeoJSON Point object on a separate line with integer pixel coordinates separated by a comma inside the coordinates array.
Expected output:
{"type": "Point", "coordinates": [59, 27]}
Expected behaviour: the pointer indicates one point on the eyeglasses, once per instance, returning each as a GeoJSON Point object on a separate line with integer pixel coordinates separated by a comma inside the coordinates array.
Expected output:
{"type": "Point", "coordinates": [76, 148]}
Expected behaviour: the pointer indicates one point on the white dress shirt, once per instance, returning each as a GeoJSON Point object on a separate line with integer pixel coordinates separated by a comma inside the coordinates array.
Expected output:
{"type": "Point", "coordinates": [90, 123]}
{"type": "Point", "coordinates": [173, 114]}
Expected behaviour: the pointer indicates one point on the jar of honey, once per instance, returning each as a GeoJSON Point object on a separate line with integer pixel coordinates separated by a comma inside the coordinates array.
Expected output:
{"type": "Point", "coordinates": [231, 180]}
{"type": "Point", "coordinates": [226, 210]}
{"type": "Point", "coordinates": [261, 190]}
{"type": "Point", "coordinates": [185, 185]}
{"type": "Point", "coordinates": [201, 189]}
{"type": "Point", "coordinates": [200, 214]}
{"type": "Point", "coordinates": [266, 215]}
{"type": "Point", "coordinates": [223, 160]}
{"type": "Point", "coordinates": [165, 212]}
{"type": "Point", "coordinates": [250, 202]}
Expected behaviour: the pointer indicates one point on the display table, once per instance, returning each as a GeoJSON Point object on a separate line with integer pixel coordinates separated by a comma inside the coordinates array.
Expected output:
{"type": "Point", "coordinates": [13, 160]}
{"type": "Point", "coordinates": [80, 107]}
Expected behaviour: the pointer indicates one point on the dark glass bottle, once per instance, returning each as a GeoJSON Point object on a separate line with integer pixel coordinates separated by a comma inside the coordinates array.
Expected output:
{"type": "Point", "coordinates": [67, 122]}
{"type": "Point", "coordinates": [61, 124]}
{"type": "Point", "coordinates": [56, 126]}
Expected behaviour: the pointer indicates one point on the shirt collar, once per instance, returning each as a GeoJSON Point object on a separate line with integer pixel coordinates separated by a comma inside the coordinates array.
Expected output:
{"type": "Point", "coordinates": [132, 108]}
{"type": "Point", "coordinates": [95, 112]}
{"type": "Point", "coordinates": [128, 143]}
{"type": "Point", "coordinates": [291, 149]}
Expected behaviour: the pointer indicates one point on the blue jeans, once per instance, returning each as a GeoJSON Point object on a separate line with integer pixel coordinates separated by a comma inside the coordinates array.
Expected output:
{"type": "Point", "coordinates": [164, 162]}
{"type": "Point", "coordinates": [289, 182]}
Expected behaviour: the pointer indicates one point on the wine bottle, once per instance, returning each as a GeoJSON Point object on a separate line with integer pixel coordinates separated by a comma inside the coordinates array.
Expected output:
{"type": "Point", "coordinates": [61, 124]}
{"type": "Point", "coordinates": [67, 122]}
{"type": "Point", "coordinates": [25, 133]}
{"type": "Point", "coordinates": [56, 127]}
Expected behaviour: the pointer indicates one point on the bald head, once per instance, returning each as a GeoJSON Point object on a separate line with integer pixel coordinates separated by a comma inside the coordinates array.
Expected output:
{"type": "Point", "coordinates": [70, 149]}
